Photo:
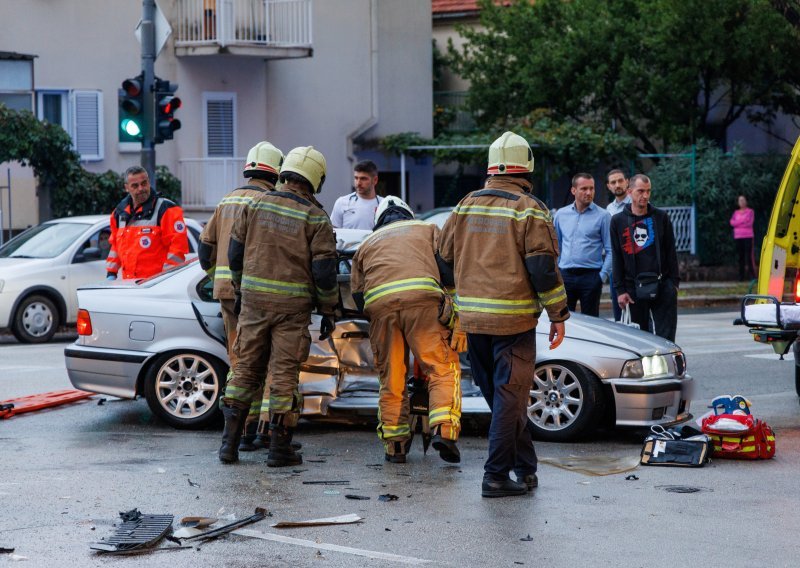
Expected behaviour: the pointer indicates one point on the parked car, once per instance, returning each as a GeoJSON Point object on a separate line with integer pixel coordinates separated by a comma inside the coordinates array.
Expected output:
{"type": "Point", "coordinates": [41, 269]}
{"type": "Point", "coordinates": [163, 338]}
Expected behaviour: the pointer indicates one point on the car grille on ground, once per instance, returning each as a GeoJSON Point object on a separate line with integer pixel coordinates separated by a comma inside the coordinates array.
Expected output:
{"type": "Point", "coordinates": [136, 531]}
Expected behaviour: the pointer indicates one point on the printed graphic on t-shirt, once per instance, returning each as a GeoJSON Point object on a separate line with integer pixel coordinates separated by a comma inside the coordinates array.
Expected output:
{"type": "Point", "coordinates": [639, 237]}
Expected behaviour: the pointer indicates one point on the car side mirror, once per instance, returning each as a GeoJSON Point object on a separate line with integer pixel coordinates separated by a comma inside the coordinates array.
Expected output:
{"type": "Point", "coordinates": [88, 255]}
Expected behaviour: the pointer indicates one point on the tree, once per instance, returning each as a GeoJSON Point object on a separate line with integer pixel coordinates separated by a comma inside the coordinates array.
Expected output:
{"type": "Point", "coordinates": [668, 72]}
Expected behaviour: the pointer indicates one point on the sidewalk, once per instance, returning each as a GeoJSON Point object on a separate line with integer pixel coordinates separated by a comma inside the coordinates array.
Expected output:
{"type": "Point", "coordinates": [700, 294]}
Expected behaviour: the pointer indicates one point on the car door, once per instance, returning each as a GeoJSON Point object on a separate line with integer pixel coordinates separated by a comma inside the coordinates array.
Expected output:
{"type": "Point", "coordinates": [87, 265]}
{"type": "Point", "coordinates": [207, 310]}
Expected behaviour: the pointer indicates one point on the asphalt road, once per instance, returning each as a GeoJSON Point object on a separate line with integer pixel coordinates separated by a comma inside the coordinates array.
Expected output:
{"type": "Point", "coordinates": [66, 473]}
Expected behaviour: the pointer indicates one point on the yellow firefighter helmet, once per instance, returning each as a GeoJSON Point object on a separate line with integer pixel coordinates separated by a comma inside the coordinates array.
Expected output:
{"type": "Point", "coordinates": [307, 162]}
{"type": "Point", "coordinates": [263, 157]}
{"type": "Point", "coordinates": [510, 154]}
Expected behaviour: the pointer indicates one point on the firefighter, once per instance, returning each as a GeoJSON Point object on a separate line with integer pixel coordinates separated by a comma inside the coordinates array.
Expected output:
{"type": "Point", "coordinates": [405, 303]}
{"type": "Point", "coordinates": [261, 169]}
{"type": "Point", "coordinates": [148, 233]}
{"type": "Point", "coordinates": [282, 256]}
{"type": "Point", "coordinates": [503, 247]}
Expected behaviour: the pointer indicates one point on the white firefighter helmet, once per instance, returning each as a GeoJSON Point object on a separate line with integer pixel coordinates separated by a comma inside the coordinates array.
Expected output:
{"type": "Point", "coordinates": [510, 154]}
{"type": "Point", "coordinates": [307, 162]}
{"type": "Point", "coordinates": [264, 157]}
{"type": "Point", "coordinates": [388, 202]}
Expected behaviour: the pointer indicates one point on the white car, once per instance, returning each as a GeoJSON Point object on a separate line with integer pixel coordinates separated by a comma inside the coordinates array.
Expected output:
{"type": "Point", "coordinates": [42, 268]}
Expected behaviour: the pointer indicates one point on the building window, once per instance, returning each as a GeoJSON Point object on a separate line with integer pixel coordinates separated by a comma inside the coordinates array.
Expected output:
{"type": "Point", "coordinates": [16, 81]}
{"type": "Point", "coordinates": [220, 124]}
{"type": "Point", "coordinates": [80, 113]}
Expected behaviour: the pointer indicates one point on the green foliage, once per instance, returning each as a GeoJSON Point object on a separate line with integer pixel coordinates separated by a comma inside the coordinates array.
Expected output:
{"type": "Point", "coordinates": [47, 148]}
{"type": "Point", "coordinates": [721, 178]}
{"type": "Point", "coordinates": [668, 72]}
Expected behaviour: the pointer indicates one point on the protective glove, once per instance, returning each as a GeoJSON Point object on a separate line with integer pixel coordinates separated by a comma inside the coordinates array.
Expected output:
{"type": "Point", "coordinates": [458, 340]}
{"type": "Point", "coordinates": [237, 304]}
{"type": "Point", "coordinates": [326, 327]}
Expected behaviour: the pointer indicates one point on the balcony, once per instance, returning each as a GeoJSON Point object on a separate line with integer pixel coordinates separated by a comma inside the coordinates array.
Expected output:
{"type": "Point", "coordinates": [271, 29]}
{"type": "Point", "coordinates": [205, 181]}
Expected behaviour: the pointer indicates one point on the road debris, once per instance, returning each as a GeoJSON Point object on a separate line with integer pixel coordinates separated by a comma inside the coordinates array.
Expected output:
{"type": "Point", "coordinates": [259, 514]}
{"type": "Point", "coordinates": [594, 465]}
{"type": "Point", "coordinates": [101, 401]}
{"type": "Point", "coordinates": [357, 497]}
{"type": "Point", "coordinates": [388, 497]}
{"type": "Point", "coordinates": [6, 550]}
{"type": "Point", "coordinates": [17, 558]}
{"type": "Point", "coordinates": [632, 477]}
{"type": "Point", "coordinates": [137, 531]}
{"type": "Point", "coordinates": [528, 538]}
{"type": "Point", "coordinates": [327, 482]}
{"type": "Point", "coordinates": [197, 522]}
{"type": "Point", "coordinates": [331, 492]}
{"type": "Point", "coordinates": [192, 483]}
{"type": "Point", "coordinates": [340, 520]}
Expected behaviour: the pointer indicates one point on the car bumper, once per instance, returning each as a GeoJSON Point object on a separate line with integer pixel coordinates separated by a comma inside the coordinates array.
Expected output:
{"type": "Point", "coordinates": [104, 371]}
{"type": "Point", "coordinates": [648, 402]}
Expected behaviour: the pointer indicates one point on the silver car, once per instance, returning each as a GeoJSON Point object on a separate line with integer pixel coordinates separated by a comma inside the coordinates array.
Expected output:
{"type": "Point", "coordinates": [162, 338]}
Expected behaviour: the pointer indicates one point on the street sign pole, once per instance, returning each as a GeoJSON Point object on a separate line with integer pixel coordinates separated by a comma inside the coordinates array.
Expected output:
{"type": "Point", "coordinates": [148, 70]}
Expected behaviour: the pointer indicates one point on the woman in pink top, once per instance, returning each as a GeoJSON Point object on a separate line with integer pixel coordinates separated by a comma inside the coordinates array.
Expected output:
{"type": "Point", "coordinates": [742, 223]}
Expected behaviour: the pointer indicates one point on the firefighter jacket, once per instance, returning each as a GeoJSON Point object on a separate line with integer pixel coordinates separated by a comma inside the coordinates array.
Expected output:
{"type": "Point", "coordinates": [504, 250]}
{"type": "Point", "coordinates": [396, 266]}
{"type": "Point", "coordinates": [148, 240]}
{"type": "Point", "coordinates": [282, 253]}
{"type": "Point", "coordinates": [217, 235]}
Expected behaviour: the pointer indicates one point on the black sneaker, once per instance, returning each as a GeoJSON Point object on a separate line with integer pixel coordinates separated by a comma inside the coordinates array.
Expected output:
{"type": "Point", "coordinates": [531, 481]}
{"type": "Point", "coordinates": [447, 449]}
{"type": "Point", "coordinates": [503, 488]}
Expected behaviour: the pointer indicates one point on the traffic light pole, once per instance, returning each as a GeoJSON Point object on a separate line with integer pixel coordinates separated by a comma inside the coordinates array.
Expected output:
{"type": "Point", "coordinates": [148, 70]}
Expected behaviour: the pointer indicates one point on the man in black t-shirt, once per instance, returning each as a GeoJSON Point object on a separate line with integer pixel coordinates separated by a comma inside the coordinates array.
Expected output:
{"type": "Point", "coordinates": [642, 240]}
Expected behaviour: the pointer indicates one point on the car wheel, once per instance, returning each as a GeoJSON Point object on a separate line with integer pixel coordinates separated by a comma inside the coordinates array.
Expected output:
{"type": "Point", "coordinates": [36, 320]}
{"type": "Point", "coordinates": [566, 401]}
{"type": "Point", "coordinates": [183, 389]}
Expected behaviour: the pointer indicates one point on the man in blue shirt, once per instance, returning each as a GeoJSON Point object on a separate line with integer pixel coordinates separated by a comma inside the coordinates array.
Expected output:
{"type": "Point", "coordinates": [585, 247]}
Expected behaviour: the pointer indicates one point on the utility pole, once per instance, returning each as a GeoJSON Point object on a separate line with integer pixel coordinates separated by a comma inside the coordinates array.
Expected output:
{"type": "Point", "coordinates": [148, 87]}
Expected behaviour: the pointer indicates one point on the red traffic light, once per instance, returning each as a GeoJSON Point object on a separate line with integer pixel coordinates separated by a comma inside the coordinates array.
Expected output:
{"type": "Point", "coordinates": [132, 87]}
{"type": "Point", "coordinates": [169, 104]}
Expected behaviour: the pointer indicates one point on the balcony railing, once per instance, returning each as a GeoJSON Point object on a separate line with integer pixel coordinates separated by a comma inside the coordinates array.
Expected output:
{"type": "Point", "coordinates": [207, 26]}
{"type": "Point", "coordinates": [205, 181]}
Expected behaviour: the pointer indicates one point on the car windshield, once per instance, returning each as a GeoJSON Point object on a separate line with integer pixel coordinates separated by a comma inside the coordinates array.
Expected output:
{"type": "Point", "coordinates": [43, 241]}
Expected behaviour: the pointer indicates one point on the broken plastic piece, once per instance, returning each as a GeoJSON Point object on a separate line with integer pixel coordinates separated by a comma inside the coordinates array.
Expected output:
{"type": "Point", "coordinates": [198, 522]}
{"type": "Point", "coordinates": [257, 516]}
{"type": "Point", "coordinates": [631, 477]}
{"type": "Point", "coordinates": [330, 482]}
{"type": "Point", "coordinates": [357, 497]}
{"type": "Point", "coordinates": [340, 520]}
{"type": "Point", "coordinates": [14, 406]}
{"type": "Point", "coordinates": [388, 497]}
{"type": "Point", "coordinates": [528, 538]}
{"type": "Point", "coordinates": [137, 531]}
{"type": "Point", "coordinates": [192, 483]}
{"type": "Point", "coordinates": [6, 550]}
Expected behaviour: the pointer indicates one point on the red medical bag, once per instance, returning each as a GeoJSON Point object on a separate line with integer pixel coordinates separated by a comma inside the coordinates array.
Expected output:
{"type": "Point", "coordinates": [739, 436]}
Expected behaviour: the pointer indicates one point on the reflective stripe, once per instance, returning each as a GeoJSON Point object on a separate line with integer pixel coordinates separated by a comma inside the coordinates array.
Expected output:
{"type": "Point", "coordinates": [112, 254]}
{"type": "Point", "coordinates": [275, 287]}
{"type": "Point", "coordinates": [395, 225]}
{"type": "Point", "coordinates": [427, 284]}
{"type": "Point", "coordinates": [553, 296]}
{"type": "Point", "coordinates": [489, 211]}
{"type": "Point", "coordinates": [493, 306]}
{"type": "Point", "coordinates": [236, 200]}
{"type": "Point", "coordinates": [739, 440]}
{"type": "Point", "coordinates": [238, 393]}
{"type": "Point", "coordinates": [222, 273]}
{"type": "Point", "coordinates": [290, 212]}
{"type": "Point", "coordinates": [385, 431]}
{"type": "Point", "coordinates": [175, 258]}
{"type": "Point", "coordinates": [280, 404]}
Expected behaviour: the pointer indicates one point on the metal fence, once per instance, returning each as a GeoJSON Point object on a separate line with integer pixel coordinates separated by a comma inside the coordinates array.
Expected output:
{"type": "Point", "coordinates": [683, 224]}
{"type": "Point", "coordinates": [205, 181]}
{"type": "Point", "coordinates": [277, 23]}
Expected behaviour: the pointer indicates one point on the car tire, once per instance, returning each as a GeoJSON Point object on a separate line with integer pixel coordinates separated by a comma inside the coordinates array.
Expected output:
{"type": "Point", "coordinates": [36, 320]}
{"type": "Point", "coordinates": [566, 402]}
{"type": "Point", "coordinates": [183, 388]}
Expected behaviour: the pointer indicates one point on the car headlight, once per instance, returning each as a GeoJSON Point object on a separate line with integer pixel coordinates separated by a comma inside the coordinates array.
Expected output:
{"type": "Point", "coordinates": [645, 368]}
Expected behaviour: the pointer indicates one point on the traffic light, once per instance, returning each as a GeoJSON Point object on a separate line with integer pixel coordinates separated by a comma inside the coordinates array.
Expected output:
{"type": "Point", "coordinates": [166, 105]}
{"type": "Point", "coordinates": [131, 110]}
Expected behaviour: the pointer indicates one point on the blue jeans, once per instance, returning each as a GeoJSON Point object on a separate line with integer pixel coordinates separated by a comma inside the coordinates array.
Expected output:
{"type": "Point", "coordinates": [503, 367]}
{"type": "Point", "coordinates": [614, 303]}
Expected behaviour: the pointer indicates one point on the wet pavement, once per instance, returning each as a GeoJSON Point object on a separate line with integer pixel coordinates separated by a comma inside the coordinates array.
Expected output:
{"type": "Point", "coordinates": [66, 473]}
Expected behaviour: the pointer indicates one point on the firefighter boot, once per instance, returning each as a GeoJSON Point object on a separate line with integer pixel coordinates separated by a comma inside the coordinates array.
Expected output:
{"type": "Point", "coordinates": [448, 450]}
{"type": "Point", "coordinates": [396, 451]}
{"type": "Point", "coordinates": [247, 443]}
{"type": "Point", "coordinates": [234, 423]}
{"type": "Point", "coordinates": [281, 452]}
{"type": "Point", "coordinates": [262, 438]}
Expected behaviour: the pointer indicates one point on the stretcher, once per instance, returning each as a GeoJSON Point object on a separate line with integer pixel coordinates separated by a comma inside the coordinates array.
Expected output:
{"type": "Point", "coordinates": [771, 321]}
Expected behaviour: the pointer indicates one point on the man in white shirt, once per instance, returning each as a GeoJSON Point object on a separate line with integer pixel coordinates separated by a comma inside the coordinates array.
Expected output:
{"type": "Point", "coordinates": [356, 210]}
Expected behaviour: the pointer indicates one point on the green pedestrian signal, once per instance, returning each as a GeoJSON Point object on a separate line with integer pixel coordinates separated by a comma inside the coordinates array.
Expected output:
{"type": "Point", "coordinates": [131, 110]}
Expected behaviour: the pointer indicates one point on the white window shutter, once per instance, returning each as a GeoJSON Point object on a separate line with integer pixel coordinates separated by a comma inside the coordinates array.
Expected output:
{"type": "Point", "coordinates": [87, 124]}
{"type": "Point", "coordinates": [220, 126]}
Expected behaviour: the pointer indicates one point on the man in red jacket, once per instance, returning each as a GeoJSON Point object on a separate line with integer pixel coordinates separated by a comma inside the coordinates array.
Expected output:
{"type": "Point", "coordinates": [148, 233]}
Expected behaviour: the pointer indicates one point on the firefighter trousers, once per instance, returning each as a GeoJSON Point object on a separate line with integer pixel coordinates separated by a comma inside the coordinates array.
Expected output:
{"type": "Point", "coordinates": [392, 332]}
{"type": "Point", "coordinates": [274, 343]}
{"type": "Point", "coordinates": [231, 321]}
{"type": "Point", "coordinates": [503, 368]}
